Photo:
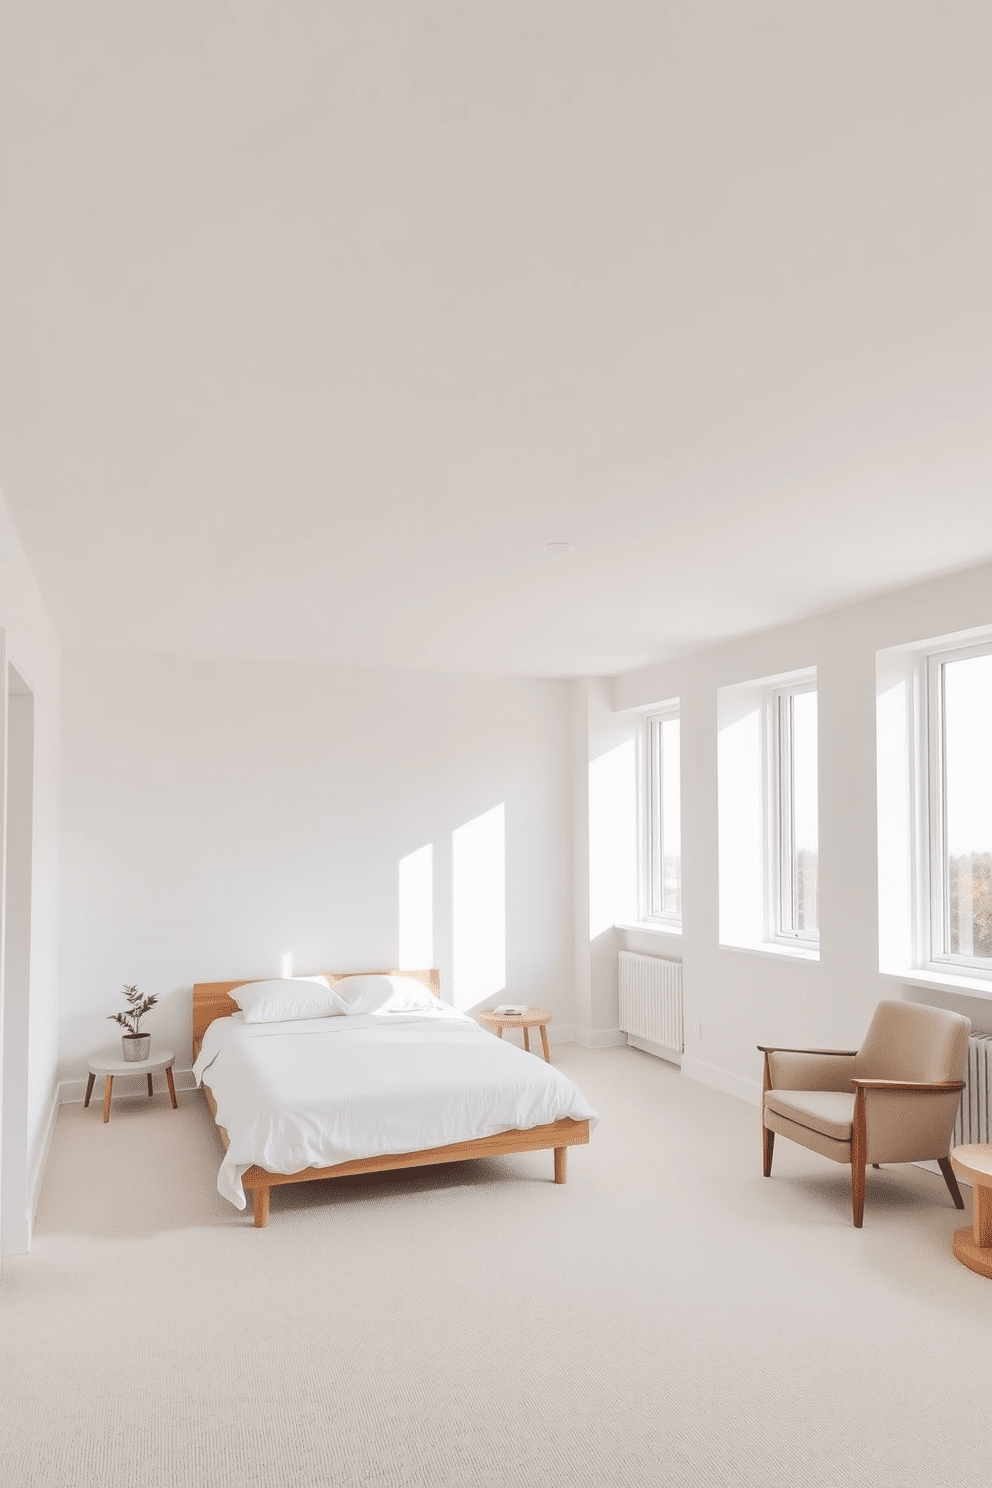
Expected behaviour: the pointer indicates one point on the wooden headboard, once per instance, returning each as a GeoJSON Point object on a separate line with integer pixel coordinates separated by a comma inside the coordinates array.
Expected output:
{"type": "Point", "coordinates": [213, 999]}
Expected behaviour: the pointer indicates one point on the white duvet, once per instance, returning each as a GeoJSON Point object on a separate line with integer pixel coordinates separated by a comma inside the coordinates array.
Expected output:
{"type": "Point", "coordinates": [327, 1090]}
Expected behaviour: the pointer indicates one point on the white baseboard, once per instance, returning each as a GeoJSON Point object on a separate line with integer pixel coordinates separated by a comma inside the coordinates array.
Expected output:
{"type": "Point", "coordinates": [600, 1038]}
{"type": "Point", "coordinates": [44, 1148]}
{"type": "Point", "coordinates": [648, 1046]}
{"type": "Point", "coordinates": [721, 1079]}
{"type": "Point", "coordinates": [71, 1091]}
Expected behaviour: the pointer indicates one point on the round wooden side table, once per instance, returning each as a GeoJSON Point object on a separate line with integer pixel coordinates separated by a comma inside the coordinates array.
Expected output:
{"type": "Point", "coordinates": [973, 1244]}
{"type": "Point", "coordinates": [107, 1064]}
{"type": "Point", "coordinates": [532, 1018]}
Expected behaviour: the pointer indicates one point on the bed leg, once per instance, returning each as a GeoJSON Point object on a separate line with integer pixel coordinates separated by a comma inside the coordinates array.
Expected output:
{"type": "Point", "coordinates": [260, 1202]}
{"type": "Point", "coordinates": [561, 1164]}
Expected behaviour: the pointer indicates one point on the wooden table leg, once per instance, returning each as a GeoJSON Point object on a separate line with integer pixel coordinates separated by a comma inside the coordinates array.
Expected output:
{"type": "Point", "coordinates": [172, 1087]}
{"type": "Point", "coordinates": [526, 1033]}
{"type": "Point", "coordinates": [499, 1030]}
{"type": "Point", "coordinates": [106, 1097]}
{"type": "Point", "coordinates": [150, 1088]}
{"type": "Point", "coordinates": [544, 1042]}
{"type": "Point", "coordinates": [89, 1089]}
{"type": "Point", "coordinates": [981, 1201]}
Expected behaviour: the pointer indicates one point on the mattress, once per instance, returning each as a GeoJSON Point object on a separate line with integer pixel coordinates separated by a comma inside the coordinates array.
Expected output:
{"type": "Point", "coordinates": [329, 1090]}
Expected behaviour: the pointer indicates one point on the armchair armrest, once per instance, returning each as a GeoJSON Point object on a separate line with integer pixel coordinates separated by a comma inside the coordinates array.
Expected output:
{"type": "Point", "coordinates": [916, 1087]}
{"type": "Point", "coordinates": [780, 1049]}
{"type": "Point", "coordinates": [889, 1130]}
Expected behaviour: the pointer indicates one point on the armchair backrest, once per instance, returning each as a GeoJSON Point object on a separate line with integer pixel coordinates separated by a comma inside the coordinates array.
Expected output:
{"type": "Point", "coordinates": [907, 1041]}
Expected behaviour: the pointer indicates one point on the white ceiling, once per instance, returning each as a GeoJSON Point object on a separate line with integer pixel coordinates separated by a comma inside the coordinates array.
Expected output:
{"type": "Point", "coordinates": [319, 320]}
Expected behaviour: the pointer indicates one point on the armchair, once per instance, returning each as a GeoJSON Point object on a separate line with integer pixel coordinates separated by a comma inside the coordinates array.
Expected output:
{"type": "Point", "coordinates": [893, 1100]}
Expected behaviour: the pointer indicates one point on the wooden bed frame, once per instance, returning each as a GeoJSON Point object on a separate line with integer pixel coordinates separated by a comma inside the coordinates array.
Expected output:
{"type": "Point", "coordinates": [213, 1000]}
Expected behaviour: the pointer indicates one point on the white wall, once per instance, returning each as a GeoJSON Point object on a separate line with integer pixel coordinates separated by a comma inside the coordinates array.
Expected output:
{"type": "Point", "coordinates": [33, 649]}
{"type": "Point", "coordinates": [739, 997]}
{"type": "Point", "coordinates": [217, 815]}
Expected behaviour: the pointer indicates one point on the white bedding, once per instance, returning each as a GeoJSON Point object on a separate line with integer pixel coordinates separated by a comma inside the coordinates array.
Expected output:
{"type": "Point", "coordinates": [328, 1090]}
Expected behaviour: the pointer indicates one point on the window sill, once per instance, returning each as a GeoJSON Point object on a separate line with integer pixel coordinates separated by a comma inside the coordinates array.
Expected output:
{"type": "Point", "coordinates": [649, 927]}
{"type": "Point", "coordinates": [940, 981]}
{"type": "Point", "coordinates": [772, 948]}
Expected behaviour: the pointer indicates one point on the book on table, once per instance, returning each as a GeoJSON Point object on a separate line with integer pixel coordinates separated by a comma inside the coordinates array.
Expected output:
{"type": "Point", "coordinates": [511, 1010]}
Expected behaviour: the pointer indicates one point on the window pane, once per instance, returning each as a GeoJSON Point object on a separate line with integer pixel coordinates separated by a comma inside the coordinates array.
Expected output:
{"type": "Point", "coordinates": [805, 838]}
{"type": "Point", "coordinates": [671, 819]}
{"type": "Point", "coordinates": [968, 805]}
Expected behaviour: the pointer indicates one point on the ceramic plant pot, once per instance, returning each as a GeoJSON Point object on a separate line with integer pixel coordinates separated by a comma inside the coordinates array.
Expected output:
{"type": "Point", "coordinates": [136, 1046]}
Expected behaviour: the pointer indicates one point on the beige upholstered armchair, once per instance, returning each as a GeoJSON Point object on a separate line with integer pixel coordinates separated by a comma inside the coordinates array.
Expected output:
{"type": "Point", "coordinates": [893, 1100]}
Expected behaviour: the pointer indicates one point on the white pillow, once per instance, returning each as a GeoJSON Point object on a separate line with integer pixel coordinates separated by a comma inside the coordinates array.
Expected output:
{"type": "Point", "coordinates": [387, 994]}
{"type": "Point", "coordinates": [286, 999]}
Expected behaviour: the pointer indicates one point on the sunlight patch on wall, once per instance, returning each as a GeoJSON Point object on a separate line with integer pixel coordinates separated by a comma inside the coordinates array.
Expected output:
{"type": "Point", "coordinates": [416, 938]}
{"type": "Point", "coordinates": [741, 816]}
{"type": "Point", "coordinates": [894, 735]}
{"type": "Point", "coordinates": [613, 838]}
{"type": "Point", "coordinates": [478, 863]}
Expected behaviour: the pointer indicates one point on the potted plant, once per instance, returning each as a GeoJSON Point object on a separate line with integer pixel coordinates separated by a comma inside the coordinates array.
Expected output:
{"type": "Point", "coordinates": [135, 1044]}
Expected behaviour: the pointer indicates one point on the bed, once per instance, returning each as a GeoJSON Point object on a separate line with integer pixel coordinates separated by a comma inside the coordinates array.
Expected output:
{"type": "Point", "coordinates": [448, 1066]}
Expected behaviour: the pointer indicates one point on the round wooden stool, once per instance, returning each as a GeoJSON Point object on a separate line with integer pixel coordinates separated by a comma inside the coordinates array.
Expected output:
{"type": "Point", "coordinates": [532, 1018]}
{"type": "Point", "coordinates": [973, 1244]}
{"type": "Point", "coordinates": [110, 1066]}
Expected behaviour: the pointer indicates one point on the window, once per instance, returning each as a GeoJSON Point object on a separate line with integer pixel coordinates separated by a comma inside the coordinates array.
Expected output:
{"type": "Point", "coordinates": [767, 814]}
{"type": "Point", "coordinates": [794, 839]}
{"type": "Point", "coordinates": [934, 792]}
{"type": "Point", "coordinates": [662, 896]}
{"type": "Point", "coordinates": [959, 748]}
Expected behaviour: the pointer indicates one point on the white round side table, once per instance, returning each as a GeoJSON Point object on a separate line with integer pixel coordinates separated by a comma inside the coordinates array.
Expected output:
{"type": "Point", "coordinates": [109, 1065]}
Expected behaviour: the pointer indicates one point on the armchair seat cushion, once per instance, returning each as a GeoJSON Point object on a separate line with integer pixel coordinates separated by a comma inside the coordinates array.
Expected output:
{"type": "Point", "coordinates": [829, 1112]}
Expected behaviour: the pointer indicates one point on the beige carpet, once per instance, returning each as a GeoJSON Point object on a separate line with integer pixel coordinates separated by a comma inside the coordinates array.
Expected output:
{"type": "Point", "coordinates": [669, 1317]}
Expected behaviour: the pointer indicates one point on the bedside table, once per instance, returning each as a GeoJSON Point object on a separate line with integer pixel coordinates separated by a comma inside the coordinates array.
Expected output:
{"type": "Point", "coordinates": [533, 1018]}
{"type": "Point", "coordinates": [106, 1064]}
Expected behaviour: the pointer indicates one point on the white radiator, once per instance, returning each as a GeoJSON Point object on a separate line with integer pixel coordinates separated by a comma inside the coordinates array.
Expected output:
{"type": "Point", "coordinates": [972, 1124]}
{"type": "Point", "coordinates": [651, 1001]}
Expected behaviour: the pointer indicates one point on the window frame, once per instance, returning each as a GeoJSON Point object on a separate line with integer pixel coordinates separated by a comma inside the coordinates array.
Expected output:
{"type": "Point", "coordinates": [933, 936]}
{"type": "Point", "coordinates": [652, 857]}
{"type": "Point", "coordinates": [782, 888]}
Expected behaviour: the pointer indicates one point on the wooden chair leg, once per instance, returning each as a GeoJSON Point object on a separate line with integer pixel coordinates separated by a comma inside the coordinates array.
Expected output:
{"type": "Point", "coordinates": [260, 1204]}
{"type": "Point", "coordinates": [859, 1158]}
{"type": "Point", "coordinates": [561, 1164]}
{"type": "Point", "coordinates": [89, 1089]}
{"type": "Point", "coordinates": [172, 1087]}
{"type": "Point", "coordinates": [106, 1097]}
{"type": "Point", "coordinates": [944, 1163]}
{"type": "Point", "coordinates": [767, 1137]}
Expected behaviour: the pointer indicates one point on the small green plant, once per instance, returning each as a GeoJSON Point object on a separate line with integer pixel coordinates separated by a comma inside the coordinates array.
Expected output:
{"type": "Point", "coordinates": [131, 1020]}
